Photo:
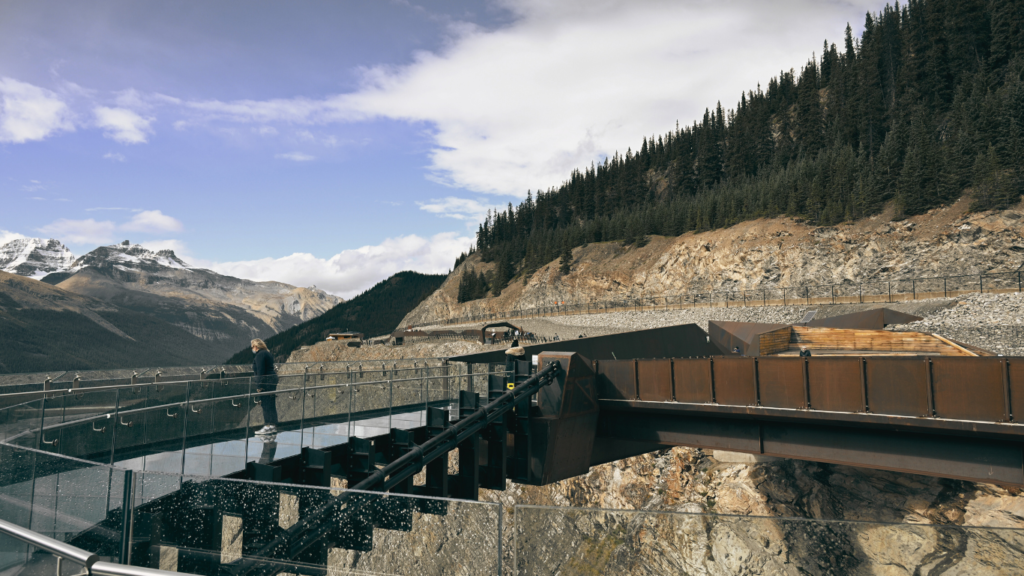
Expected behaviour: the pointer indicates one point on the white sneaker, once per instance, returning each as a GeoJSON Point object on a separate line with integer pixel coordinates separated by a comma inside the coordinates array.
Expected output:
{"type": "Point", "coordinates": [267, 430]}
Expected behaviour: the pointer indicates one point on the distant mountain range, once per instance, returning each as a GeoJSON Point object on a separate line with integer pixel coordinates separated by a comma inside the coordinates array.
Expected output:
{"type": "Point", "coordinates": [183, 315]}
{"type": "Point", "coordinates": [375, 312]}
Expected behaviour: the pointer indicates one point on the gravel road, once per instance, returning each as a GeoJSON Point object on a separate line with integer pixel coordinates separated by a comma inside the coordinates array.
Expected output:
{"type": "Point", "coordinates": [991, 321]}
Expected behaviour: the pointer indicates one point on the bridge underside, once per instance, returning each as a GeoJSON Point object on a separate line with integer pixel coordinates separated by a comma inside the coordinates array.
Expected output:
{"type": "Point", "coordinates": [639, 427]}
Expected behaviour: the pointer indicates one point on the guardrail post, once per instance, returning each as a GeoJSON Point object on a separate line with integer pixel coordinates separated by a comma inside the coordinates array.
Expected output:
{"type": "Point", "coordinates": [864, 384]}
{"type": "Point", "coordinates": [981, 283]}
{"type": "Point", "coordinates": [913, 288]}
{"type": "Point", "coordinates": [784, 296]}
{"type": "Point", "coordinates": [944, 294]}
{"type": "Point", "coordinates": [890, 291]}
{"type": "Point", "coordinates": [77, 382]}
{"type": "Point", "coordinates": [127, 520]}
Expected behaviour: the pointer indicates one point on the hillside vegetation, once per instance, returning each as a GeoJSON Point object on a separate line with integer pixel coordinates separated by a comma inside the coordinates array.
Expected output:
{"type": "Point", "coordinates": [927, 103]}
{"type": "Point", "coordinates": [374, 312]}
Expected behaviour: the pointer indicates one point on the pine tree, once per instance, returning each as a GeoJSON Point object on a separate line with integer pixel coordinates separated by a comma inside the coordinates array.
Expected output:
{"type": "Point", "coordinates": [565, 263]}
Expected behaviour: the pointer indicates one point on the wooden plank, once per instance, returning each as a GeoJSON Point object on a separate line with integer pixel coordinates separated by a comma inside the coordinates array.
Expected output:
{"type": "Point", "coordinates": [873, 340]}
{"type": "Point", "coordinates": [955, 345]}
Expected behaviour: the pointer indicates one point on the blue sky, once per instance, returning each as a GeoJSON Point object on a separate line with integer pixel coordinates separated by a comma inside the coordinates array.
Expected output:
{"type": "Point", "coordinates": [337, 142]}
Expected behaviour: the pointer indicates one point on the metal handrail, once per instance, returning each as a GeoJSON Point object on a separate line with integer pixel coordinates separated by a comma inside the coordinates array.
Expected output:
{"type": "Point", "coordinates": [80, 390]}
{"type": "Point", "coordinates": [65, 551]}
{"type": "Point", "coordinates": [55, 547]}
{"type": "Point", "coordinates": [117, 412]}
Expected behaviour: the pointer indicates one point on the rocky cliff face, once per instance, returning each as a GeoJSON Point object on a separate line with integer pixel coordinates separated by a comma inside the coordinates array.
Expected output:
{"type": "Point", "coordinates": [926, 522]}
{"type": "Point", "coordinates": [760, 254]}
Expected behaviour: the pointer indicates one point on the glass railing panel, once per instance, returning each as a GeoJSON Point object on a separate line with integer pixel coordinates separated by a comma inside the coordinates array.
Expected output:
{"type": "Point", "coordinates": [215, 526]}
{"type": "Point", "coordinates": [593, 541]}
{"type": "Point", "coordinates": [326, 399]}
{"type": "Point", "coordinates": [19, 424]}
{"type": "Point", "coordinates": [409, 394]}
{"type": "Point", "coordinates": [83, 403]}
{"type": "Point", "coordinates": [151, 437]}
{"type": "Point", "coordinates": [220, 447]}
{"type": "Point", "coordinates": [290, 403]}
{"type": "Point", "coordinates": [370, 409]}
{"type": "Point", "coordinates": [371, 397]}
{"type": "Point", "coordinates": [442, 388]}
{"type": "Point", "coordinates": [70, 500]}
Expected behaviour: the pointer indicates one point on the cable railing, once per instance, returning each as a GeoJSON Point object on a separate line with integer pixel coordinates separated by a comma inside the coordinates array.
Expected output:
{"type": "Point", "coordinates": [881, 291]}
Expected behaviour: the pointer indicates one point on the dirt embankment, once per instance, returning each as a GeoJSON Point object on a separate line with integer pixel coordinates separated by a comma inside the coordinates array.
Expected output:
{"type": "Point", "coordinates": [761, 253]}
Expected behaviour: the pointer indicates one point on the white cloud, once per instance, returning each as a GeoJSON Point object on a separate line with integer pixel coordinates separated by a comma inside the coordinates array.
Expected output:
{"type": "Point", "coordinates": [114, 156]}
{"type": "Point", "coordinates": [33, 186]}
{"type": "Point", "coordinates": [152, 221]}
{"type": "Point", "coordinates": [29, 112]}
{"type": "Point", "coordinates": [296, 157]}
{"type": "Point", "coordinates": [80, 231]}
{"type": "Point", "coordinates": [458, 208]}
{"type": "Point", "coordinates": [570, 82]}
{"type": "Point", "coordinates": [91, 231]}
{"type": "Point", "coordinates": [122, 125]}
{"type": "Point", "coordinates": [519, 107]}
{"type": "Point", "coordinates": [350, 272]}
{"type": "Point", "coordinates": [6, 237]}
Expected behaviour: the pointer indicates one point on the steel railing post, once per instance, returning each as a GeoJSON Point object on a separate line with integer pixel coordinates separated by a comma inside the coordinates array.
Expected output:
{"type": "Point", "coordinates": [117, 419]}
{"type": "Point", "coordinates": [302, 410]}
{"type": "Point", "coordinates": [127, 520]}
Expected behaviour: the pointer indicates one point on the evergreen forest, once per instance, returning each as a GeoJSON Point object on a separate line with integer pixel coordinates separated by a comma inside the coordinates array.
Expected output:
{"type": "Point", "coordinates": [927, 104]}
{"type": "Point", "coordinates": [375, 312]}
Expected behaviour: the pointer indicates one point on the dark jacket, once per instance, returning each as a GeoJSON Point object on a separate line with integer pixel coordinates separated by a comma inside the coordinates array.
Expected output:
{"type": "Point", "coordinates": [263, 368]}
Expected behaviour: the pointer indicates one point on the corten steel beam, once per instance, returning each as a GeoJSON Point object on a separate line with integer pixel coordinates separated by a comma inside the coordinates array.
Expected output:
{"type": "Point", "coordinates": [951, 417]}
{"type": "Point", "coordinates": [973, 459]}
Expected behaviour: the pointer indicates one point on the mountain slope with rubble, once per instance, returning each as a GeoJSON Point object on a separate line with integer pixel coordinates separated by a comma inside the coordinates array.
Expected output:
{"type": "Point", "coordinates": [766, 253]}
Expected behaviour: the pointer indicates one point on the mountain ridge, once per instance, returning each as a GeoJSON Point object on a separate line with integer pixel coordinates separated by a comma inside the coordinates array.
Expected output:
{"type": "Point", "coordinates": [374, 312]}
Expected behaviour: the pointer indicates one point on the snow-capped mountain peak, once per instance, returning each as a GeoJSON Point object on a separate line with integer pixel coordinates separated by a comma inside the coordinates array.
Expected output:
{"type": "Point", "coordinates": [130, 256]}
{"type": "Point", "coordinates": [35, 257]}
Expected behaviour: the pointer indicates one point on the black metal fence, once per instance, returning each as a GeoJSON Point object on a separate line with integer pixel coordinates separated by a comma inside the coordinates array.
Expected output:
{"type": "Point", "coordinates": [880, 291]}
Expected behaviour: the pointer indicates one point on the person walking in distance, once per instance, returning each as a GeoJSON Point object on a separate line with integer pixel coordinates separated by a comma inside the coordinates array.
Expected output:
{"type": "Point", "coordinates": [265, 379]}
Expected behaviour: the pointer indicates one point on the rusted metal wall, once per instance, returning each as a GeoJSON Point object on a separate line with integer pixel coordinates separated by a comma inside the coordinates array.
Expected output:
{"type": "Point", "coordinates": [654, 380]}
{"type": "Point", "coordinates": [693, 380]}
{"type": "Point", "coordinates": [987, 389]}
{"type": "Point", "coordinates": [616, 379]}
